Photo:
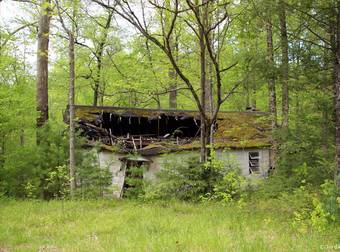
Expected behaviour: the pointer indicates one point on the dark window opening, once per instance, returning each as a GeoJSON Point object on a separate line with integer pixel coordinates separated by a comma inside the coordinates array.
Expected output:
{"type": "Point", "coordinates": [254, 162]}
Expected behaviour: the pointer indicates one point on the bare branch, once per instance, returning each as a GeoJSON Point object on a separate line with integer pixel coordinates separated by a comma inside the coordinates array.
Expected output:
{"type": "Point", "coordinates": [11, 34]}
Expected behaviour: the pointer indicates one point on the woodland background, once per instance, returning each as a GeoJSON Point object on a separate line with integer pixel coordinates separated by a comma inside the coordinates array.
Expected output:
{"type": "Point", "coordinates": [281, 57]}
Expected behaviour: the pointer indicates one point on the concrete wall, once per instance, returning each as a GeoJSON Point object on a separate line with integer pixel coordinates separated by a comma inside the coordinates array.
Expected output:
{"type": "Point", "coordinates": [110, 161]}
{"type": "Point", "coordinates": [231, 157]}
{"type": "Point", "coordinates": [242, 158]}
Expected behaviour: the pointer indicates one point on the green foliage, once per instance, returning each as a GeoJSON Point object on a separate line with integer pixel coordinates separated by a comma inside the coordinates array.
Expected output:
{"type": "Point", "coordinates": [135, 73]}
{"type": "Point", "coordinates": [57, 182]}
{"type": "Point", "coordinates": [32, 165]}
{"type": "Point", "coordinates": [188, 179]}
{"type": "Point", "coordinates": [319, 216]}
{"type": "Point", "coordinates": [230, 188]}
{"type": "Point", "coordinates": [330, 199]}
{"type": "Point", "coordinates": [92, 181]}
{"type": "Point", "coordinates": [184, 180]}
{"type": "Point", "coordinates": [36, 171]}
{"type": "Point", "coordinates": [135, 183]}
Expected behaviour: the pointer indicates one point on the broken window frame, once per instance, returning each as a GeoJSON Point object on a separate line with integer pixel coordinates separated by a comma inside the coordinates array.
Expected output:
{"type": "Point", "coordinates": [254, 162]}
{"type": "Point", "coordinates": [129, 162]}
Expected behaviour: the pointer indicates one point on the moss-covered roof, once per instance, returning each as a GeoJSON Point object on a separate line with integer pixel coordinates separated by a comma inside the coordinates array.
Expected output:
{"type": "Point", "coordinates": [236, 130]}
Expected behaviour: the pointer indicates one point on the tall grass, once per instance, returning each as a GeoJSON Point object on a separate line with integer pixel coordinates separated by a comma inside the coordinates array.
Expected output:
{"type": "Point", "coordinates": [133, 226]}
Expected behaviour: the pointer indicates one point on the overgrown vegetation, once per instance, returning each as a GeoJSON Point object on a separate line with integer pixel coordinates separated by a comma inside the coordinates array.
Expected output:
{"type": "Point", "coordinates": [41, 171]}
{"type": "Point", "coordinates": [280, 57]}
{"type": "Point", "coordinates": [188, 179]}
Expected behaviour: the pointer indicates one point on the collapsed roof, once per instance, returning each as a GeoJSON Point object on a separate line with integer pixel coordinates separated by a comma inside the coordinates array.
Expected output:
{"type": "Point", "coordinates": [154, 131]}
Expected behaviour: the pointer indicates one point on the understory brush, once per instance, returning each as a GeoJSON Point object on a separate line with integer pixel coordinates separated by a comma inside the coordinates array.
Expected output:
{"type": "Point", "coordinates": [188, 179]}
{"type": "Point", "coordinates": [310, 206]}
{"type": "Point", "coordinates": [41, 170]}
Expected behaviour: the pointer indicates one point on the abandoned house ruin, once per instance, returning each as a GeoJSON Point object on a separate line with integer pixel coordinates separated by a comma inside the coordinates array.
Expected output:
{"type": "Point", "coordinates": [154, 134]}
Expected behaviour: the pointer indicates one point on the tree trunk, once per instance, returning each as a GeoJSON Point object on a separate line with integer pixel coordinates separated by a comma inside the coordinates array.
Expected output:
{"type": "Point", "coordinates": [337, 125]}
{"type": "Point", "coordinates": [209, 101]}
{"type": "Point", "coordinates": [97, 81]}
{"type": "Point", "coordinates": [173, 77]}
{"type": "Point", "coordinates": [253, 95]}
{"type": "Point", "coordinates": [99, 58]}
{"type": "Point", "coordinates": [173, 42]}
{"type": "Point", "coordinates": [271, 78]}
{"type": "Point", "coordinates": [337, 87]}
{"type": "Point", "coordinates": [173, 86]}
{"type": "Point", "coordinates": [284, 66]}
{"type": "Point", "coordinates": [42, 64]}
{"type": "Point", "coordinates": [72, 115]}
{"type": "Point", "coordinates": [205, 131]}
{"type": "Point", "coordinates": [173, 92]}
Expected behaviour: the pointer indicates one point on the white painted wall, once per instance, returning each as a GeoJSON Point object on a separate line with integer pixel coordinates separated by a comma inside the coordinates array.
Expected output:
{"type": "Point", "coordinates": [237, 157]}
{"type": "Point", "coordinates": [242, 157]}
{"type": "Point", "coordinates": [111, 161]}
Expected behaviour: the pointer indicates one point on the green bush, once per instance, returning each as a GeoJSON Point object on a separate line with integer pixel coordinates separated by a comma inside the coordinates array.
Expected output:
{"type": "Point", "coordinates": [330, 198]}
{"type": "Point", "coordinates": [188, 179]}
{"type": "Point", "coordinates": [135, 183]}
{"type": "Point", "coordinates": [41, 170]}
{"type": "Point", "coordinates": [231, 187]}
{"type": "Point", "coordinates": [184, 180]}
{"type": "Point", "coordinates": [92, 181]}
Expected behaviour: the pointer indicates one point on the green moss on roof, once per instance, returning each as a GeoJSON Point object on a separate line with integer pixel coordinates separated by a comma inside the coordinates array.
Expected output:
{"type": "Point", "coordinates": [234, 129]}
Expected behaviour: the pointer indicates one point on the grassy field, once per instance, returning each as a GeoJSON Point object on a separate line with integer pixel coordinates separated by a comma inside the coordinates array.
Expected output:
{"type": "Point", "coordinates": [133, 226]}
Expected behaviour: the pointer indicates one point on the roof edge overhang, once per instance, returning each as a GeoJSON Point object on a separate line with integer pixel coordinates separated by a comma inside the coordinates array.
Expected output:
{"type": "Point", "coordinates": [160, 110]}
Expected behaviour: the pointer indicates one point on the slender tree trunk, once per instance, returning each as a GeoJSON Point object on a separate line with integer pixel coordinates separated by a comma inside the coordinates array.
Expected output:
{"type": "Point", "coordinates": [97, 81]}
{"type": "Point", "coordinates": [42, 64]}
{"type": "Point", "coordinates": [271, 78]}
{"type": "Point", "coordinates": [99, 56]}
{"type": "Point", "coordinates": [253, 95]}
{"type": "Point", "coordinates": [95, 93]}
{"type": "Point", "coordinates": [173, 77]}
{"type": "Point", "coordinates": [208, 88]}
{"type": "Point", "coordinates": [247, 91]}
{"type": "Point", "coordinates": [337, 125]}
{"type": "Point", "coordinates": [203, 102]}
{"type": "Point", "coordinates": [209, 101]}
{"type": "Point", "coordinates": [271, 89]}
{"type": "Point", "coordinates": [284, 66]}
{"type": "Point", "coordinates": [173, 42]}
{"type": "Point", "coordinates": [72, 143]}
{"type": "Point", "coordinates": [173, 84]}
{"type": "Point", "coordinates": [173, 92]}
{"type": "Point", "coordinates": [337, 86]}
{"type": "Point", "coordinates": [205, 128]}
{"type": "Point", "coordinates": [72, 115]}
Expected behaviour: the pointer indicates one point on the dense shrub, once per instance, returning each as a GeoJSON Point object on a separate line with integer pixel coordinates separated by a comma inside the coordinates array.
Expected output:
{"type": "Point", "coordinates": [41, 171]}
{"type": "Point", "coordinates": [188, 179]}
{"type": "Point", "coordinates": [92, 181]}
{"type": "Point", "coordinates": [134, 183]}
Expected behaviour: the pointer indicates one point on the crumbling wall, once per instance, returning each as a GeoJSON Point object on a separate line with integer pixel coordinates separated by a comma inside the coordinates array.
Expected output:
{"type": "Point", "coordinates": [242, 158]}
{"type": "Point", "coordinates": [111, 161]}
{"type": "Point", "coordinates": [236, 157]}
